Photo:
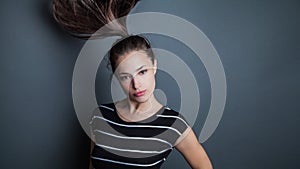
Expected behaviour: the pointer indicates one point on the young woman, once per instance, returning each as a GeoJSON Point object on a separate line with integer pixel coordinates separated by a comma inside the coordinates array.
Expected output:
{"type": "Point", "coordinates": [138, 131]}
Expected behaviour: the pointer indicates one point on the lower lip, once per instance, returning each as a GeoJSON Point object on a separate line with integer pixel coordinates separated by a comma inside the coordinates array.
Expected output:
{"type": "Point", "coordinates": [139, 94]}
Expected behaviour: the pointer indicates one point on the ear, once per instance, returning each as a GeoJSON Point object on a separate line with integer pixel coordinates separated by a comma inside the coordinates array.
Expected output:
{"type": "Point", "coordinates": [155, 66]}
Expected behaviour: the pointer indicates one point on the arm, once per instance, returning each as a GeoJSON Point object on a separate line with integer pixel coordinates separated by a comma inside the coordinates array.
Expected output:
{"type": "Point", "coordinates": [92, 147]}
{"type": "Point", "coordinates": [193, 152]}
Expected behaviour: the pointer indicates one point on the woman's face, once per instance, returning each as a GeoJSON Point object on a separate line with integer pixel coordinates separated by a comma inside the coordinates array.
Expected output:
{"type": "Point", "coordinates": [136, 74]}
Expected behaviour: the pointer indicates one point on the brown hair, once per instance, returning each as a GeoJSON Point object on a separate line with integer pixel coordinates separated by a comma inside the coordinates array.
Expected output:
{"type": "Point", "coordinates": [82, 18]}
{"type": "Point", "coordinates": [128, 44]}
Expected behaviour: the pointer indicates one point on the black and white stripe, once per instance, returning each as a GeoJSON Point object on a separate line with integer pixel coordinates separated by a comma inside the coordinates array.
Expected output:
{"type": "Point", "coordinates": [146, 144]}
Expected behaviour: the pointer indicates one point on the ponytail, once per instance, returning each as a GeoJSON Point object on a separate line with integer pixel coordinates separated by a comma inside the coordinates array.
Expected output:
{"type": "Point", "coordinates": [82, 18]}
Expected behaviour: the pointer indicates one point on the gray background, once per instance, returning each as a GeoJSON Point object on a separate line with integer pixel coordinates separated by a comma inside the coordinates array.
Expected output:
{"type": "Point", "coordinates": [259, 46]}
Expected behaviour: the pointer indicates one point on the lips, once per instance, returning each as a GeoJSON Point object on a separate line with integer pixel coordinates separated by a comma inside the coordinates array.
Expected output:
{"type": "Point", "coordinates": [139, 94]}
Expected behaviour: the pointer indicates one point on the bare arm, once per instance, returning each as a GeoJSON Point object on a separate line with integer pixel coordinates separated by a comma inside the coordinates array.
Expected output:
{"type": "Point", "coordinates": [193, 152]}
{"type": "Point", "coordinates": [92, 147]}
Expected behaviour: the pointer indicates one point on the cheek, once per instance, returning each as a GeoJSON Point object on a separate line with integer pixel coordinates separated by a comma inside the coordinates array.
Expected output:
{"type": "Point", "coordinates": [151, 82]}
{"type": "Point", "coordinates": [125, 87]}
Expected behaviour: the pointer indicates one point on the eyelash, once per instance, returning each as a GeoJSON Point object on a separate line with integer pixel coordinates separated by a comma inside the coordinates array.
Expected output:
{"type": "Point", "coordinates": [142, 72]}
{"type": "Point", "coordinates": [124, 78]}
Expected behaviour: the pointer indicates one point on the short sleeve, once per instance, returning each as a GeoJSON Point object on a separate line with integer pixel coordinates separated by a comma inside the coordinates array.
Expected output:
{"type": "Point", "coordinates": [182, 126]}
{"type": "Point", "coordinates": [178, 126]}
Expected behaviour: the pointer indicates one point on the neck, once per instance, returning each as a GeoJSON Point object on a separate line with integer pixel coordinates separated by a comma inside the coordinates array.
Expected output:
{"type": "Point", "coordinates": [147, 106]}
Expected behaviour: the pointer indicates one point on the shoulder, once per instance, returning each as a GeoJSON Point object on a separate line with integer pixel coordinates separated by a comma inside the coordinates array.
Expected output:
{"type": "Point", "coordinates": [173, 119]}
{"type": "Point", "coordinates": [107, 107]}
{"type": "Point", "coordinates": [179, 124]}
{"type": "Point", "coordinates": [170, 113]}
{"type": "Point", "coordinates": [102, 109]}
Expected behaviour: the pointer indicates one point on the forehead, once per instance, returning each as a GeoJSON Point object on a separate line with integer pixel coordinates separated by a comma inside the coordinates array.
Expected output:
{"type": "Point", "coordinates": [132, 61]}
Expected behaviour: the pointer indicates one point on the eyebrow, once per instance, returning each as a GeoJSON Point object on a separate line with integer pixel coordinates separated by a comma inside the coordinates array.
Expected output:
{"type": "Point", "coordinates": [141, 67]}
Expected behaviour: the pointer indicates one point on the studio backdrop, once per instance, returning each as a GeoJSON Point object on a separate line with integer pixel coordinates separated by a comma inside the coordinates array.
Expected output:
{"type": "Point", "coordinates": [258, 49]}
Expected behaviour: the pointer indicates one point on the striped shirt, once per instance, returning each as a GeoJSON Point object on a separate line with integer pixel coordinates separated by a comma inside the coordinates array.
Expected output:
{"type": "Point", "coordinates": [134, 145]}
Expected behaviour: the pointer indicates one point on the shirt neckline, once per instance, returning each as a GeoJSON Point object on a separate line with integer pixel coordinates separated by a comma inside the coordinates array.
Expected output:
{"type": "Point", "coordinates": [146, 120]}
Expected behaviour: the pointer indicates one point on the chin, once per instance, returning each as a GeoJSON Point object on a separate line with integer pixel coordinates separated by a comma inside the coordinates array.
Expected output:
{"type": "Point", "coordinates": [141, 99]}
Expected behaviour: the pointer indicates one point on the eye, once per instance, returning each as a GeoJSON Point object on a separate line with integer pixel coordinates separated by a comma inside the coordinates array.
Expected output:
{"type": "Point", "coordinates": [142, 72]}
{"type": "Point", "coordinates": [124, 78]}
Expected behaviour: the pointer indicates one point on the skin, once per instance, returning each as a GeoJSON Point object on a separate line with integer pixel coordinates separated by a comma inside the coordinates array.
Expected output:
{"type": "Point", "coordinates": [193, 152]}
{"type": "Point", "coordinates": [138, 106]}
{"type": "Point", "coordinates": [136, 74]}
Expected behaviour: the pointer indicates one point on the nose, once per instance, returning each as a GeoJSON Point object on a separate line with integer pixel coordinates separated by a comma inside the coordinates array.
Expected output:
{"type": "Point", "coordinates": [136, 82]}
